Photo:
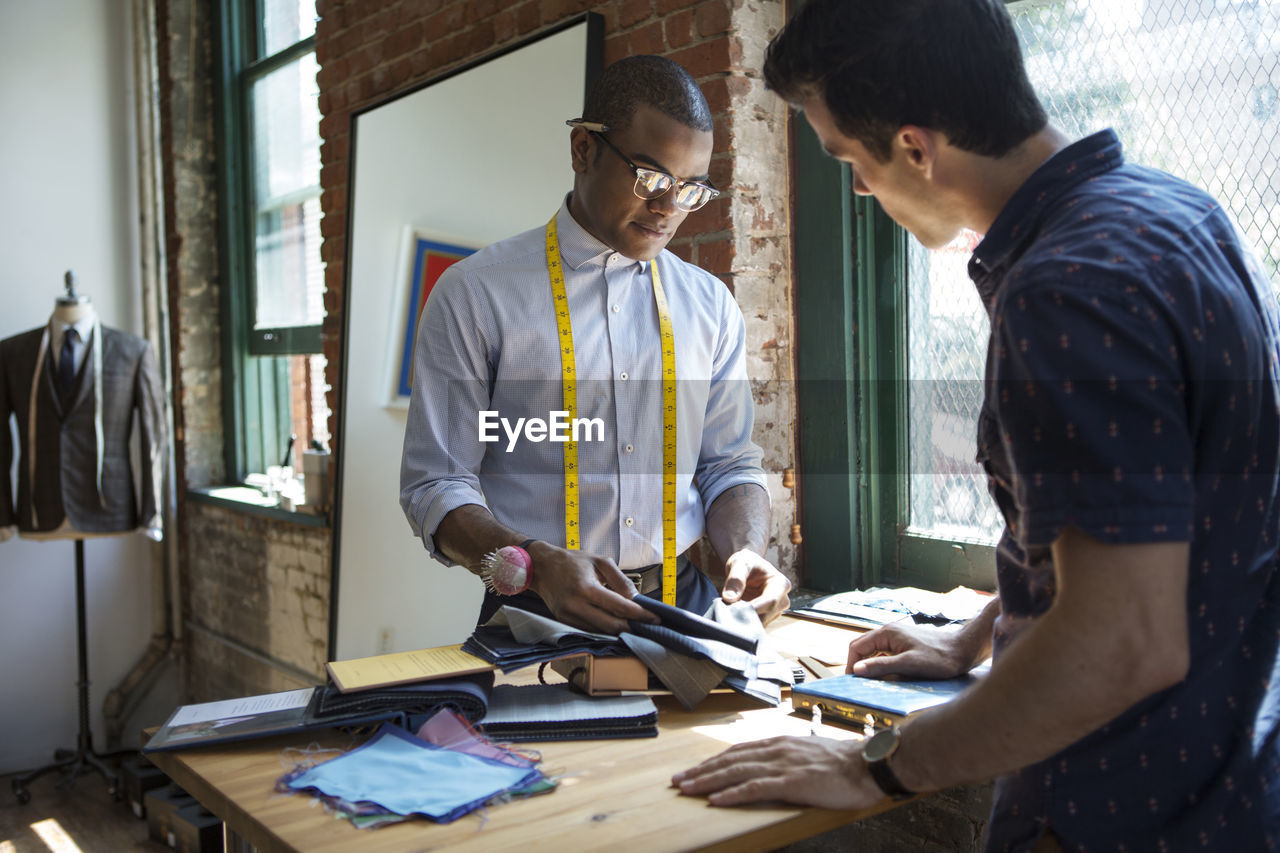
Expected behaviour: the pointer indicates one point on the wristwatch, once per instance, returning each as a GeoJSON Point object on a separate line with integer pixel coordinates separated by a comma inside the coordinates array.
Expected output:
{"type": "Point", "coordinates": [879, 749]}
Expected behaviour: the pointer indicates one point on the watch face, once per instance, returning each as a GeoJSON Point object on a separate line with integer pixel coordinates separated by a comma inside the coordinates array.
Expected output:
{"type": "Point", "coordinates": [881, 745]}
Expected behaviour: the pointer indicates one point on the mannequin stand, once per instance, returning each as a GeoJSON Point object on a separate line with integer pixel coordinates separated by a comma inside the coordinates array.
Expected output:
{"type": "Point", "coordinates": [83, 758]}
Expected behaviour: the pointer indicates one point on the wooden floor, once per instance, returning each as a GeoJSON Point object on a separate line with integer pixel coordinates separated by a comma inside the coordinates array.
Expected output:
{"type": "Point", "coordinates": [83, 812]}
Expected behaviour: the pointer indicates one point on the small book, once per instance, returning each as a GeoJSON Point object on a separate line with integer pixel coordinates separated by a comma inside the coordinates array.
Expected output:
{"type": "Point", "coordinates": [404, 668]}
{"type": "Point", "coordinates": [874, 702]}
{"type": "Point", "coordinates": [232, 720]}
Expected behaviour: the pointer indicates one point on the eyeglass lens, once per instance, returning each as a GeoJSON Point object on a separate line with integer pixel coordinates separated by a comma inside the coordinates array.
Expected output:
{"type": "Point", "coordinates": [651, 183]}
{"type": "Point", "coordinates": [689, 196]}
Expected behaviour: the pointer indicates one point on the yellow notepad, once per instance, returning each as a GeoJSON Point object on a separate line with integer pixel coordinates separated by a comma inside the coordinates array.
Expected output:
{"type": "Point", "coordinates": [404, 668]}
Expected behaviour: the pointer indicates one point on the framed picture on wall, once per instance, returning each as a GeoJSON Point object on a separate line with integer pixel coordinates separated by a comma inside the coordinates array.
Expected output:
{"type": "Point", "coordinates": [424, 255]}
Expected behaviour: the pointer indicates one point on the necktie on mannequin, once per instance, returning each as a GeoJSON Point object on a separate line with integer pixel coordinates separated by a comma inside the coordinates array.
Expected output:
{"type": "Point", "coordinates": [67, 364]}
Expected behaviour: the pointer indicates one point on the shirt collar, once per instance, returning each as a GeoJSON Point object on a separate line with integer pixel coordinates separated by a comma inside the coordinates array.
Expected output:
{"type": "Point", "coordinates": [84, 328]}
{"type": "Point", "coordinates": [1020, 218]}
{"type": "Point", "coordinates": [577, 245]}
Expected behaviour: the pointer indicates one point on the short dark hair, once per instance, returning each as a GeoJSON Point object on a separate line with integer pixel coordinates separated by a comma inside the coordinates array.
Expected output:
{"type": "Point", "coordinates": [652, 80]}
{"type": "Point", "coordinates": [954, 66]}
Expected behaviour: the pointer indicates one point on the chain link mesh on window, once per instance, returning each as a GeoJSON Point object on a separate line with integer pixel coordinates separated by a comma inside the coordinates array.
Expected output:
{"type": "Point", "coordinates": [1192, 87]}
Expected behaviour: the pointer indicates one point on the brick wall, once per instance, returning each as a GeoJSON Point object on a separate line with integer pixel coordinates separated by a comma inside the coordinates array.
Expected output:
{"type": "Point", "coordinates": [368, 50]}
{"type": "Point", "coordinates": [185, 67]}
{"type": "Point", "coordinates": [256, 603]}
{"type": "Point", "coordinates": [255, 591]}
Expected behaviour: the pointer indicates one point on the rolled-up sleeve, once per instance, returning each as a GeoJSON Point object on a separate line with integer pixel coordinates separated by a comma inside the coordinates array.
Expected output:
{"type": "Point", "coordinates": [728, 457]}
{"type": "Point", "coordinates": [452, 360]}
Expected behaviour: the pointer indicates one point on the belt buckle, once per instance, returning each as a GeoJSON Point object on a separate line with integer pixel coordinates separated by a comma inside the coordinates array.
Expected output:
{"type": "Point", "coordinates": [645, 580]}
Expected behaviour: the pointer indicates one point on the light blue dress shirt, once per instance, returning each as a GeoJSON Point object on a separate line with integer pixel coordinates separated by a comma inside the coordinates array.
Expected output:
{"type": "Point", "coordinates": [487, 341]}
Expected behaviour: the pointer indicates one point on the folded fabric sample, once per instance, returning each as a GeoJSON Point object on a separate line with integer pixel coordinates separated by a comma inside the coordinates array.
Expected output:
{"type": "Point", "coordinates": [690, 678]}
{"type": "Point", "coordinates": [688, 665]}
{"type": "Point", "coordinates": [690, 624]}
{"type": "Point", "coordinates": [514, 638]}
{"type": "Point", "coordinates": [688, 653]}
{"type": "Point", "coordinates": [448, 730]}
{"type": "Point", "coordinates": [406, 775]}
{"type": "Point", "coordinates": [468, 695]}
{"type": "Point", "coordinates": [554, 712]}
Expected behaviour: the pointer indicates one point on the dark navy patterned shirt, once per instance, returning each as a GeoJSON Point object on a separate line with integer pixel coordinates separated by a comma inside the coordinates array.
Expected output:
{"type": "Point", "coordinates": [1131, 392]}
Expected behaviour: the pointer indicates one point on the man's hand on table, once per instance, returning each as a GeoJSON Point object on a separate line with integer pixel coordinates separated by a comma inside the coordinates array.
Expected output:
{"type": "Point", "coordinates": [585, 591]}
{"type": "Point", "coordinates": [750, 577]}
{"type": "Point", "coordinates": [804, 771]}
{"type": "Point", "coordinates": [910, 650]}
{"type": "Point", "coordinates": [924, 651]}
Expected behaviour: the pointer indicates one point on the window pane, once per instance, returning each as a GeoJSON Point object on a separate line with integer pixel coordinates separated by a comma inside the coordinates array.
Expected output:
{"type": "Point", "coordinates": [286, 144]}
{"type": "Point", "coordinates": [288, 396]}
{"type": "Point", "coordinates": [947, 338]}
{"type": "Point", "coordinates": [1191, 87]}
{"type": "Point", "coordinates": [285, 22]}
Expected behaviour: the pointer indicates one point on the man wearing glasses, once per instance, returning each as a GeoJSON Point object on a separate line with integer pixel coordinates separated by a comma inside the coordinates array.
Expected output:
{"type": "Point", "coordinates": [587, 322]}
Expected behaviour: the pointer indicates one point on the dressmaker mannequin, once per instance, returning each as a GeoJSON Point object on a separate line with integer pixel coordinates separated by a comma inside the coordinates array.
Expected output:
{"type": "Point", "coordinates": [75, 478]}
{"type": "Point", "coordinates": [75, 409]}
{"type": "Point", "coordinates": [71, 307]}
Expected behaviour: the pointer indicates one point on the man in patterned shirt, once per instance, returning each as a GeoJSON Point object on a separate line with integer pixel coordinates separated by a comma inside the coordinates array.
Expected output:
{"type": "Point", "coordinates": [1130, 436]}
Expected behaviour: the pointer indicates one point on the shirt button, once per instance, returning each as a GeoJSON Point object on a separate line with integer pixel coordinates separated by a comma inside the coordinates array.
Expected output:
{"type": "Point", "coordinates": [629, 448]}
{"type": "Point", "coordinates": [629, 522]}
{"type": "Point", "coordinates": [617, 308]}
{"type": "Point", "coordinates": [623, 376]}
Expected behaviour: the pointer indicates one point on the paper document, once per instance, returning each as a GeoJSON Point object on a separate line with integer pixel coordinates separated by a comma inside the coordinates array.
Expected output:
{"type": "Point", "coordinates": [234, 709]}
{"type": "Point", "coordinates": [405, 668]}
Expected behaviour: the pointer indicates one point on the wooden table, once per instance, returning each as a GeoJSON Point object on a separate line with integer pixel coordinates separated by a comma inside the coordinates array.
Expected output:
{"type": "Point", "coordinates": [612, 794]}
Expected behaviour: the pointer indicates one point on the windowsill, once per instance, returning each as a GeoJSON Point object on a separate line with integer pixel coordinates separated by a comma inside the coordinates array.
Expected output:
{"type": "Point", "coordinates": [253, 502]}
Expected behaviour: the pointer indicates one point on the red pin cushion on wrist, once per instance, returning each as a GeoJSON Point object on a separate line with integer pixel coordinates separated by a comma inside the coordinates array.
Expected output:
{"type": "Point", "coordinates": [507, 571]}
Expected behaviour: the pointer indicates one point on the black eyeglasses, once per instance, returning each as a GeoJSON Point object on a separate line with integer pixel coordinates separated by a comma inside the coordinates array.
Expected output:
{"type": "Point", "coordinates": [653, 183]}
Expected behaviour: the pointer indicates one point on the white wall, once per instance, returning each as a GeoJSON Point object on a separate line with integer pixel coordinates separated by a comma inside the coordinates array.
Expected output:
{"type": "Point", "coordinates": [67, 201]}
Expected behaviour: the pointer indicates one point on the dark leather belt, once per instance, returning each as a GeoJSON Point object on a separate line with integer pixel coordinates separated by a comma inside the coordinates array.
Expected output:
{"type": "Point", "coordinates": [647, 579]}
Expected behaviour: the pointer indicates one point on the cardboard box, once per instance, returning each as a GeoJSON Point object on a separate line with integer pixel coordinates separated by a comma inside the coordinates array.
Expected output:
{"type": "Point", "coordinates": [162, 805]}
{"type": "Point", "coordinates": [603, 676]}
{"type": "Point", "coordinates": [196, 830]}
{"type": "Point", "coordinates": [137, 777]}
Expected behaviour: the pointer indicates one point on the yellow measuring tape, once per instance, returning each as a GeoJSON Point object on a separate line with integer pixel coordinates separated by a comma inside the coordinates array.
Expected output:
{"type": "Point", "coordinates": [569, 388]}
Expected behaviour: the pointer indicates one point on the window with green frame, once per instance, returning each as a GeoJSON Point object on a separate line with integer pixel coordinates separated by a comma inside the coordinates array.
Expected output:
{"type": "Point", "coordinates": [889, 412]}
{"type": "Point", "coordinates": [273, 276]}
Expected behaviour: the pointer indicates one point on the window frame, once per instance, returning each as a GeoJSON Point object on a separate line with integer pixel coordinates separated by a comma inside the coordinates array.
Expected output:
{"type": "Point", "coordinates": [856, 534]}
{"type": "Point", "coordinates": [255, 381]}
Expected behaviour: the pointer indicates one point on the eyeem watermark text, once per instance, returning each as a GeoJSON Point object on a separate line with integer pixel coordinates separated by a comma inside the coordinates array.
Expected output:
{"type": "Point", "coordinates": [557, 427]}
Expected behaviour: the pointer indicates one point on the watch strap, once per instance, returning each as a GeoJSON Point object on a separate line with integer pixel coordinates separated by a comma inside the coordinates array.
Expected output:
{"type": "Point", "coordinates": [887, 780]}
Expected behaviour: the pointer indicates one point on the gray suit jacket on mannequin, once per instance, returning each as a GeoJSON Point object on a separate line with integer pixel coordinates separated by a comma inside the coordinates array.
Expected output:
{"type": "Point", "coordinates": [61, 474]}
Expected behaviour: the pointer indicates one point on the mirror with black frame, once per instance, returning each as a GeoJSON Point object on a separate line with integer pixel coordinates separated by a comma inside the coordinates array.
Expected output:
{"type": "Point", "coordinates": [464, 160]}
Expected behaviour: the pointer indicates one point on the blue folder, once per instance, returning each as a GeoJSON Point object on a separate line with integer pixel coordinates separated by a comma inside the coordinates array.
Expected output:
{"type": "Point", "coordinates": [874, 701]}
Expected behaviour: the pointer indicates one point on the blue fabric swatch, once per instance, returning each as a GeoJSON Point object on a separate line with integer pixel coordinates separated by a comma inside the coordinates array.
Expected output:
{"type": "Point", "coordinates": [407, 775]}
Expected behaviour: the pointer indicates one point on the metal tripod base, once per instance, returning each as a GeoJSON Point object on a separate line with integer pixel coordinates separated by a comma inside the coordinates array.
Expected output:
{"type": "Point", "coordinates": [73, 763]}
